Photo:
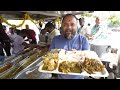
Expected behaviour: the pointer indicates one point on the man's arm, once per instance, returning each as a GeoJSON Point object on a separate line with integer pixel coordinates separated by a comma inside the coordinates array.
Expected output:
{"type": "Point", "coordinates": [85, 44]}
{"type": "Point", "coordinates": [52, 45]}
{"type": "Point", "coordinates": [32, 45]}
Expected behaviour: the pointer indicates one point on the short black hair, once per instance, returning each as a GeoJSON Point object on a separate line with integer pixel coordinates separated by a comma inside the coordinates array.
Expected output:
{"type": "Point", "coordinates": [82, 19]}
{"type": "Point", "coordinates": [68, 15]}
{"type": "Point", "coordinates": [4, 27]}
{"type": "Point", "coordinates": [50, 25]}
{"type": "Point", "coordinates": [40, 24]}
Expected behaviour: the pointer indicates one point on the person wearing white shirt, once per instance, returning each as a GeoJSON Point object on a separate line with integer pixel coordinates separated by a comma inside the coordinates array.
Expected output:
{"type": "Point", "coordinates": [83, 30]}
{"type": "Point", "coordinates": [51, 35]}
{"type": "Point", "coordinates": [42, 35]}
{"type": "Point", "coordinates": [19, 43]}
{"type": "Point", "coordinates": [52, 31]}
{"type": "Point", "coordinates": [12, 34]}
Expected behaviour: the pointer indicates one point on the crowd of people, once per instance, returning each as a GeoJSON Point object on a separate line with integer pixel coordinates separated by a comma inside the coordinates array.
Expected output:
{"type": "Point", "coordinates": [13, 42]}
{"type": "Point", "coordinates": [69, 37]}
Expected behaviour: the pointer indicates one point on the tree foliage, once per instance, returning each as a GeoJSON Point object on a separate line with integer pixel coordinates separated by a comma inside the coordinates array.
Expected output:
{"type": "Point", "coordinates": [113, 20]}
{"type": "Point", "coordinates": [88, 15]}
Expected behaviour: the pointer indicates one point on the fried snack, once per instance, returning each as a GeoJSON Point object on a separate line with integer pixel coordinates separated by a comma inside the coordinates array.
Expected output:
{"type": "Point", "coordinates": [64, 67]}
{"type": "Point", "coordinates": [75, 68]}
{"type": "Point", "coordinates": [50, 61]}
{"type": "Point", "coordinates": [67, 67]}
{"type": "Point", "coordinates": [92, 65]}
{"type": "Point", "coordinates": [49, 65]}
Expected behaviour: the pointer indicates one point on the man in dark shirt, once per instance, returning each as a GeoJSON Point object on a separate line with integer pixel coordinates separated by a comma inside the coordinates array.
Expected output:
{"type": "Point", "coordinates": [1, 47]}
{"type": "Point", "coordinates": [5, 40]}
{"type": "Point", "coordinates": [30, 35]}
{"type": "Point", "coordinates": [1, 51]}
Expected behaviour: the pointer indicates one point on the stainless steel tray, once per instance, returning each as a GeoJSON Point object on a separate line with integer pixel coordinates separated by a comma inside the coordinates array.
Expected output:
{"type": "Point", "coordinates": [25, 51]}
{"type": "Point", "coordinates": [17, 59]}
{"type": "Point", "coordinates": [7, 59]}
{"type": "Point", "coordinates": [35, 63]}
{"type": "Point", "coordinates": [32, 65]}
{"type": "Point", "coordinates": [33, 73]}
{"type": "Point", "coordinates": [8, 73]}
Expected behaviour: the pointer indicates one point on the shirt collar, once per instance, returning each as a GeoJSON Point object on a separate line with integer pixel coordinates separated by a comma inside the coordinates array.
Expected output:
{"type": "Point", "coordinates": [68, 39]}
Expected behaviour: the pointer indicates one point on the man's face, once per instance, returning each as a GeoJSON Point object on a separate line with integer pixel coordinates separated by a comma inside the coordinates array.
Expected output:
{"type": "Point", "coordinates": [24, 35]}
{"type": "Point", "coordinates": [43, 31]}
{"type": "Point", "coordinates": [97, 21]}
{"type": "Point", "coordinates": [11, 30]}
{"type": "Point", "coordinates": [69, 27]}
{"type": "Point", "coordinates": [48, 29]}
{"type": "Point", "coordinates": [27, 27]}
{"type": "Point", "coordinates": [81, 22]}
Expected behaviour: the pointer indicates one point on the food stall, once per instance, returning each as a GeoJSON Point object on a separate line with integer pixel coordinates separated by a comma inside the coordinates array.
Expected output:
{"type": "Point", "coordinates": [30, 64]}
{"type": "Point", "coordinates": [14, 64]}
{"type": "Point", "coordinates": [59, 61]}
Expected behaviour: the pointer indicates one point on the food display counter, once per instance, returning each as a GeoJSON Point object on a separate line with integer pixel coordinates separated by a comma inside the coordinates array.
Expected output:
{"type": "Point", "coordinates": [31, 72]}
{"type": "Point", "coordinates": [14, 64]}
{"type": "Point", "coordinates": [35, 70]}
{"type": "Point", "coordinates": [31, 66]}
{"type": "Point", "coordinates": [85, 63]}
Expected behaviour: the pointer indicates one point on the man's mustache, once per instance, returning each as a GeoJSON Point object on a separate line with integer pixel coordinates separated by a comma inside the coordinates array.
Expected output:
{"type": "Point", "coordinates": [68, 30]}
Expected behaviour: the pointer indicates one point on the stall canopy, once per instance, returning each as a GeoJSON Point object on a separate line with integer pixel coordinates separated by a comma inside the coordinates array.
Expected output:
{"type": "Point", "coordinates": [36, 15]}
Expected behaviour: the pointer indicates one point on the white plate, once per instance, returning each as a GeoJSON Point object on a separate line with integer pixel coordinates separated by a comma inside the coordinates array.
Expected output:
{"type": "Point", "coordinates": [104, 73]}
